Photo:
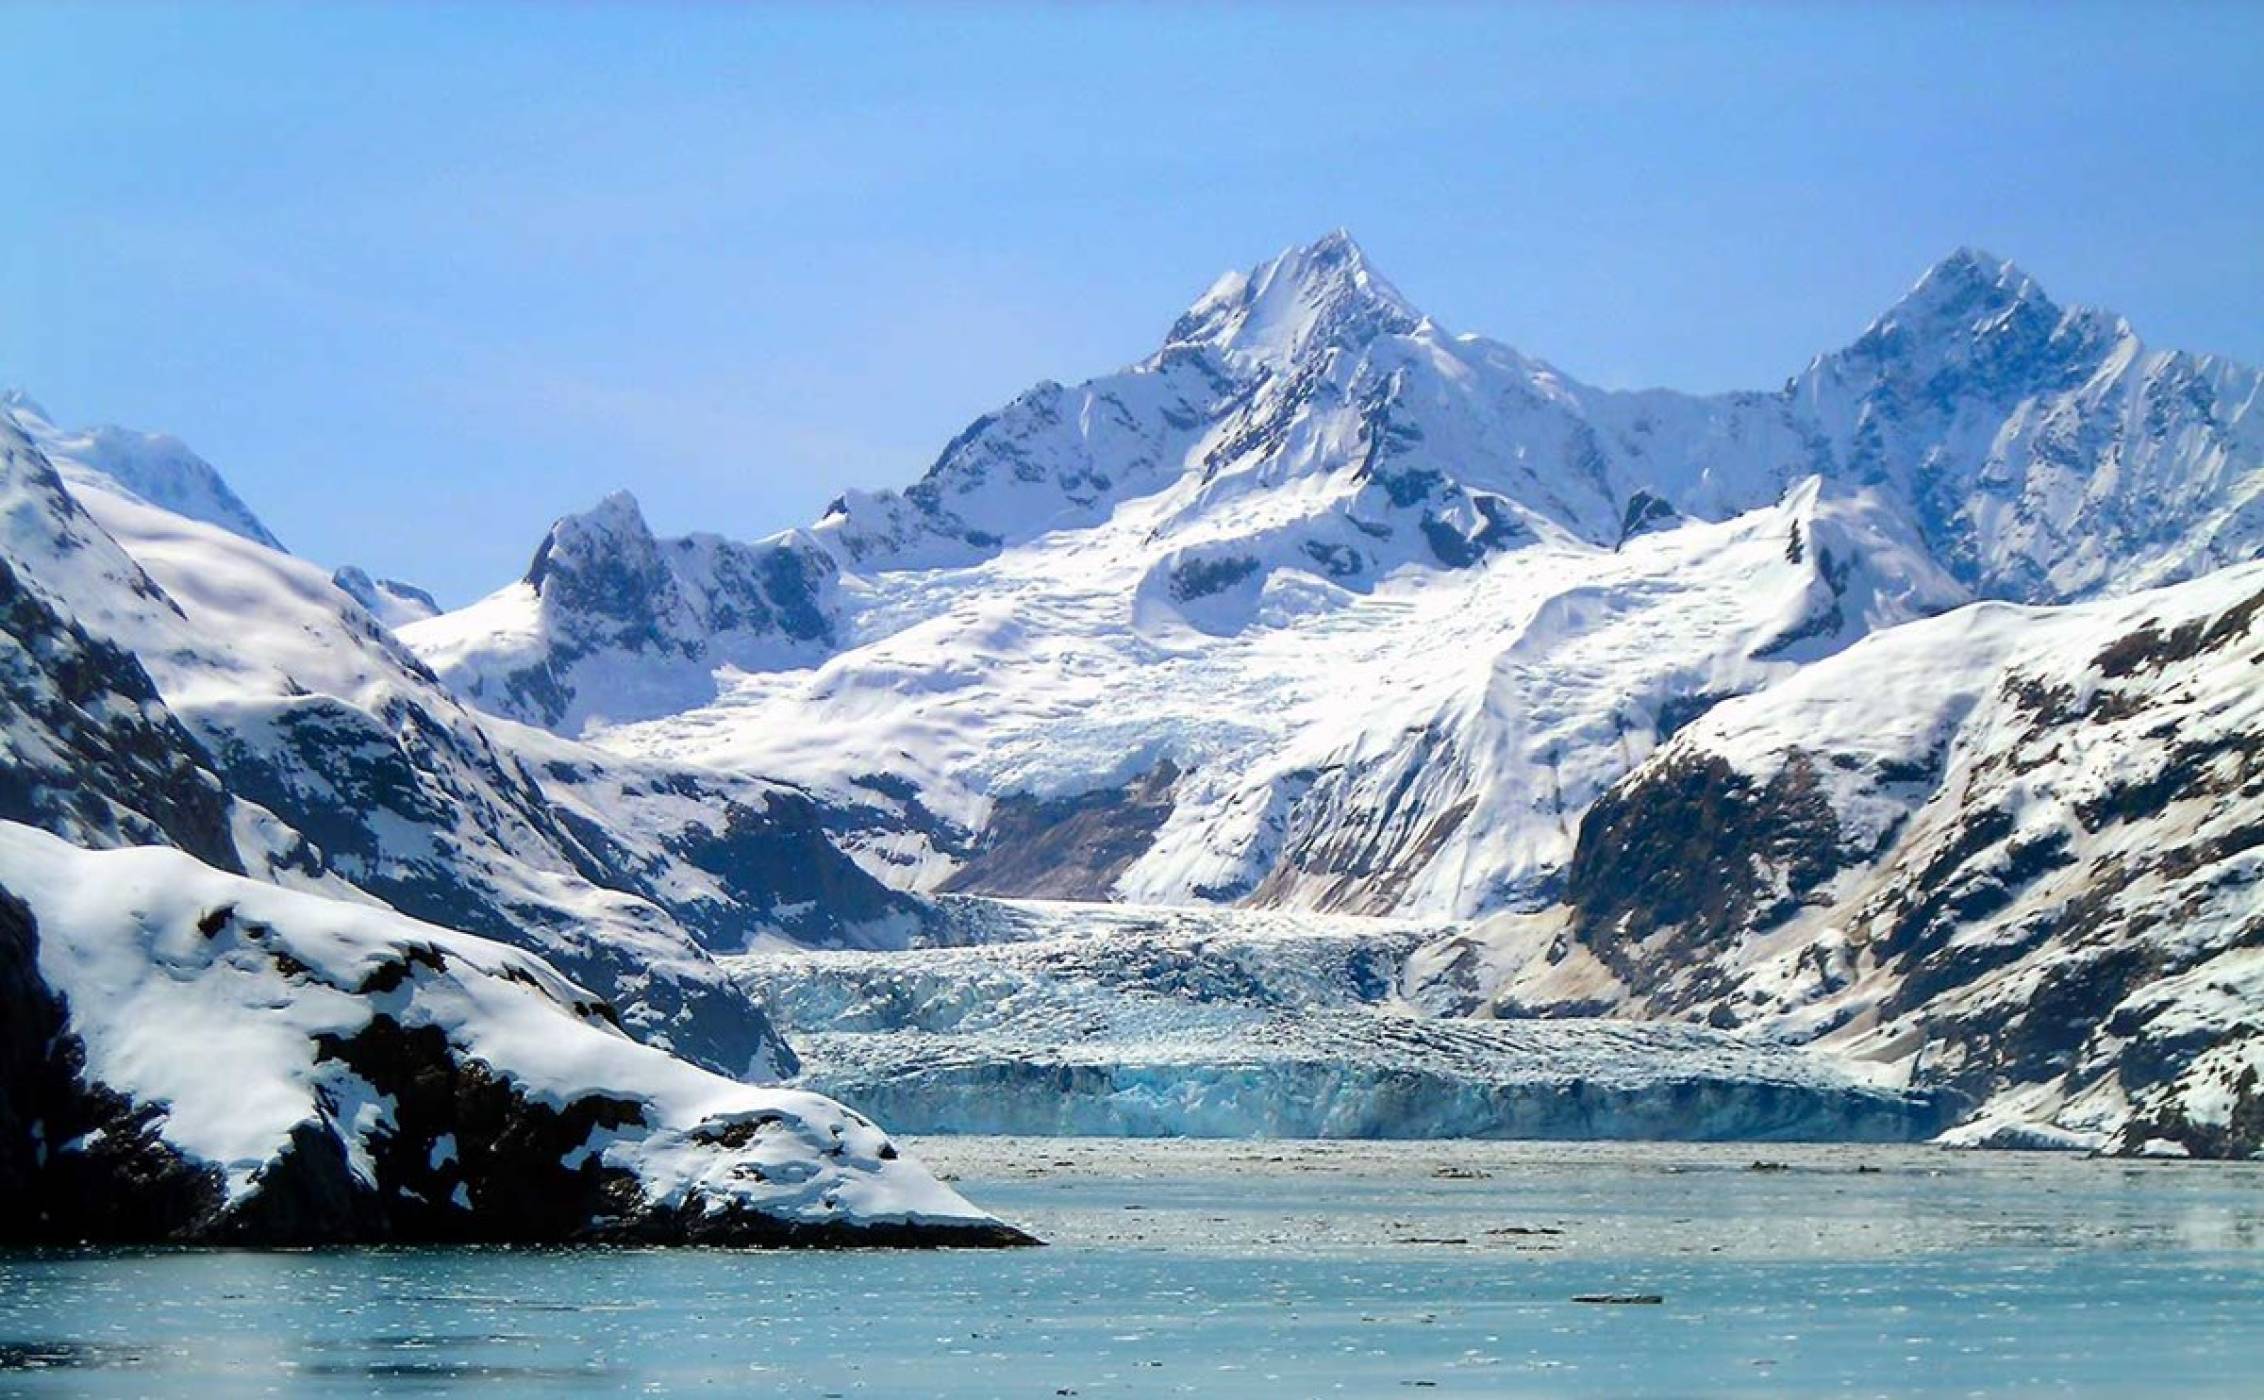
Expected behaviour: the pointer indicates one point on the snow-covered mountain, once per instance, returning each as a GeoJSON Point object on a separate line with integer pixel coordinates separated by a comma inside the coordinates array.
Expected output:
{"type": "Point", "coordinates": [152, 468]}
{"type": "Point", "coordinates": [2015, 852]}
{"type": "Point", "coordinates": [1893, 725]}
{"type": "Point", "coordinates": [220, 772]}
{"type": "Point", "coordinates": [178, 682]}
{"type": "Point", "coordinates": [2044, 452]}
{"type": "Point", "coordinates": [1322, 605]}
{"type": "Point", "coordinates": [159, 470]}
{"type": "Point", "coordinates": [611, 622]}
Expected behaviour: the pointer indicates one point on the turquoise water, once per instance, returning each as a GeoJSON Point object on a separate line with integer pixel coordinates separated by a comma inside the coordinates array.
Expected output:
{"type": "Point", "coordinates": [1265, 1269]}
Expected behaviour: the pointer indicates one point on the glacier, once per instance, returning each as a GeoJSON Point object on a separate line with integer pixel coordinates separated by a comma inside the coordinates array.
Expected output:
{"type": "Point", "coordinates": [1076, 1020]}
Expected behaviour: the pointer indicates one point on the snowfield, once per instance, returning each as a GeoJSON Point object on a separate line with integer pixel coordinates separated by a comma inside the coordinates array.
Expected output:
{"type": "Point", "coordinates": [1332, 753]}
{"type": "Point", "coordinates": [151, 468]}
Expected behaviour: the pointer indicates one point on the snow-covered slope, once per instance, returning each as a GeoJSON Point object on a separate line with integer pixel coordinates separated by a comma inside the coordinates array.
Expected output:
{"type": "Point", "coordinates": [148, 467]}
{"type": "Point", "coordinates": [1325, 606]}
{"type": "Point", "coordinates": [1425, 746]}
{"type": "Point", "coordinates": [194, 1055]}
{"type": "Point", "coordinates": [2017, 852]}
{"type": "Point", "coordinates": [349, 765]}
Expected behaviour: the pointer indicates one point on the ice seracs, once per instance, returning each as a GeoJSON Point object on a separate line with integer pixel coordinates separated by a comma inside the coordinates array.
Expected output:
{"type": "Point", "coordinates": [1126, 1021]}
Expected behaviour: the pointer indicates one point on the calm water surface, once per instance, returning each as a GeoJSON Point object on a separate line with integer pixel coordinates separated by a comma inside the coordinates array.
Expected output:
{"type": "Point", "coordinates": [1265, 1269]}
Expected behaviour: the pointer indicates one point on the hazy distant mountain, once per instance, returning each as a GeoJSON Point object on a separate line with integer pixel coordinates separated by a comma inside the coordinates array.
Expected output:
{"type": "Point", "coordinates": [150, 467]}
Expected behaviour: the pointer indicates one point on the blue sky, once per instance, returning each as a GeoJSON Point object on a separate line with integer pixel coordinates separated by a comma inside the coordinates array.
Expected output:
{"type": "Point", "coordinates": [420, 279]}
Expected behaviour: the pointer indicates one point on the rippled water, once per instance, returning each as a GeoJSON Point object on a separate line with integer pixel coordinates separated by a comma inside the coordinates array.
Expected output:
{"type": "Point", "coordinates": [1209, 1268]}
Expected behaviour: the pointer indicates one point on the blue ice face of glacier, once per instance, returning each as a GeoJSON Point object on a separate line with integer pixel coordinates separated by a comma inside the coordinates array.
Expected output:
{"type": "Point", "coordinates": [1215, 1024]}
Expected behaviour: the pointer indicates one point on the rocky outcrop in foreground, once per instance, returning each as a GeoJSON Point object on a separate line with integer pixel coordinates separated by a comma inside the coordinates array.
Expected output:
{"type": "Point", "coordinates": [191, 1056]}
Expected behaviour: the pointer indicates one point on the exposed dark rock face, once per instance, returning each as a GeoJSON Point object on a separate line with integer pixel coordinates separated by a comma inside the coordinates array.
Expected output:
{"type": "Point", "coordinates": [1694, 850]}
{"type": "Point", "coordinates": [77, 1162]}
{"type": "Point", "coordinates": [2239, 1138]}
{"type": "Point", "coordinates": [1366, 835]}
{"type": "Point", "coordinates": [781, 856]}
{"type": "Point", "coordinates": [2067, 900]}
{"type": "Point", "coordinates": [1487, 526]}
{"type": "Point", "coordinates": [1067, 847]}
{"type": "Point", "coordinates": [96, 755]}
{"type": "Point", "coordinates": [1200, 578]}
{"type": "Point", "coordinates": [499, 1178]}
{"type": "Point", "coordinates": [1646, 514]}
{"type": "Point", "coordinates": [502, 1176]}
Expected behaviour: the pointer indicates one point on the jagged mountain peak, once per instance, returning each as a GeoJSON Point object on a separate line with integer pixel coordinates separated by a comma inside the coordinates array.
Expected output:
{"type": "Point", "coordinates": [615, 513]}
{"type": "Point", "coordinates": [644, 620]}
{"type": "Point", "coordinates": [1972, 292]}
{"type": "Point", "coordinates": [614, 526]}
{"type": "Point", "coordinates": [1324, 293]}
{"type": "Point", "coordinates": [1977, 328]}
{"type": "Point", "coordinates": [1969, 266]}
{"type": "Point", "coordinates": [1970, 289]}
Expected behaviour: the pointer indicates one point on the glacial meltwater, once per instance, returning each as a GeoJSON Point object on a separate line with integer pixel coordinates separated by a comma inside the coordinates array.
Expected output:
{"type": "Point", "coordinates": [1265, 1268]}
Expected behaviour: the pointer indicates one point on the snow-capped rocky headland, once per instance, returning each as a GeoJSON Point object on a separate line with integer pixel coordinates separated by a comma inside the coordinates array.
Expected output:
{"type": "Point", "coordinates": [193, 1055]}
